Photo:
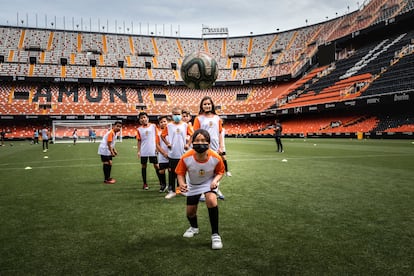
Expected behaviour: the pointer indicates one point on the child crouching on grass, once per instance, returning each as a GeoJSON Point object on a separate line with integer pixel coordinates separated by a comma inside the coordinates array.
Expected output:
{"type": "Point", "coordinates": [205, 168]}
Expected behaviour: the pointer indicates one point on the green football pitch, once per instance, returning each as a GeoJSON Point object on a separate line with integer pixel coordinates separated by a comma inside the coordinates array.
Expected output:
{"type": "Point", "coordinates": [324, 206]}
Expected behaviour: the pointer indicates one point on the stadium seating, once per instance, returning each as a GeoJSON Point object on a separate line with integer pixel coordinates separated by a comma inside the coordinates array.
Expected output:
{"type": "Point", "coordinates": [288, 51]}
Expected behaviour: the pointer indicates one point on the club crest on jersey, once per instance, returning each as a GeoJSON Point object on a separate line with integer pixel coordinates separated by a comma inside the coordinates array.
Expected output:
{"type": "Point", "coordinates": [178, 130]}
{"type": "Point", "coordinates": [210, 124]}
{"type": "Point", "coordinates": [201, 172]}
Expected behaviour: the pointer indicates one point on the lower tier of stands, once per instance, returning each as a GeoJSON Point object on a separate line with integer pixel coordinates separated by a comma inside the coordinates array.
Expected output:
{"type": "Point", "coordinates": [302, 125]}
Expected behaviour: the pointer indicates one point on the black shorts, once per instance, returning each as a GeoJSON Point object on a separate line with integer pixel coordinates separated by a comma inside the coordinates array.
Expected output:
{"type": "Point", "coordinates": [152, 159]}
{"type": "Point", "coordinates": [106, 158]}
{"type": "Point", "coordinates": [164, 166]}
{"type": "Point", "coordinates": [193, 200]}
{"type": "Point", "coordinates": [173, 163]}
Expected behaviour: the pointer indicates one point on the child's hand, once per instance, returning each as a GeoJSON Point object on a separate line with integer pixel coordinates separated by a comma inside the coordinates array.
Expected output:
{"type": "Point", "coordinates": [213, 185]}
{"type": "Point", "coordinates": [183, 188]}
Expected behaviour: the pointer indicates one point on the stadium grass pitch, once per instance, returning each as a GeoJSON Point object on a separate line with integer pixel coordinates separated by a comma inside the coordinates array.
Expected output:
{"type": "Point", "coordinates": [324, 206]}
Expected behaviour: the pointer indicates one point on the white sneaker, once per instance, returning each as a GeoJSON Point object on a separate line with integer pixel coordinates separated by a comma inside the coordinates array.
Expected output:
{"type": "Point", "coordinates": [202, 198]}
{"type": "Point", "coordinates": [170, 194]}
{"type": "Point", "coordinates": [191, 232]}
{"type": "Point", "coordinates": [228, 173]}
{"type": "Point", "coordinates": [216, 242]}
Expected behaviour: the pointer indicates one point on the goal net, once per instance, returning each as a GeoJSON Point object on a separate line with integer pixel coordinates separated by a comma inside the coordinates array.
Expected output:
{"type": "Point", "coordinates": [63, 130]}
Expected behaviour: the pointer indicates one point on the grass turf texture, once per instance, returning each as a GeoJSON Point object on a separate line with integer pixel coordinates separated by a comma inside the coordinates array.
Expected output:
{"type": "Point", "coordinates": [335, 207]}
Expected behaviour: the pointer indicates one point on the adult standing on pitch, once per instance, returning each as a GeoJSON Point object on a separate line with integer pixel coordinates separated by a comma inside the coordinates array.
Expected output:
{"type": "Point", "coordinates": [204, 168]}
{"type": "Point", "coordinates": [35, 136]}
{"type": "Point", "coordinates": [278, 134]}
{"type": "Point", "coordinates": [75, 136]}
{"type": "Point", "coordinates": [45, 138]}
{"type": "Point", "coordinates": [2, 136]}
{"type": "Point", "coordinates": [107, 151]}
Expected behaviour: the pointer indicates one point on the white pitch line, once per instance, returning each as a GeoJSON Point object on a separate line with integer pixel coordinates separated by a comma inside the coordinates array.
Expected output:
{"type": "Point", "coordinates": [322, 157]}
{"type": "Point", "coordinates": [275, 158]}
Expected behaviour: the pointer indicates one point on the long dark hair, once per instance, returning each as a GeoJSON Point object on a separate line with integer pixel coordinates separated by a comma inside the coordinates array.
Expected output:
{"type": "Point", "coordinates": [213, 107]}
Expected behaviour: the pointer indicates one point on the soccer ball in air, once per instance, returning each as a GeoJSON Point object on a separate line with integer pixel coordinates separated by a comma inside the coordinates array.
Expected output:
{"type": "Point", "coordinates": [199, 70]}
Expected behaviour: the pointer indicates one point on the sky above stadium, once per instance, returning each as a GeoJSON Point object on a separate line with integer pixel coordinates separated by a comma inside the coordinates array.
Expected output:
{"type": "Point", "coordinates": [184, 18]}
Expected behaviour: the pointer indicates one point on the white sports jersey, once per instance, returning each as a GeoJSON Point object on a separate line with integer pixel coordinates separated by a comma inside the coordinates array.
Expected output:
{"type": "Point", "coordinates": [213, 126]}
{"type": "Point", "coordinates": [199, 174]}
{"type": "Point", "coordinates": [147, 136]}
{"type": "Point", "coordinates": [176, 135]}
{"type": "Point", "coordinates": [110, 137]}
{"type": "Point", "coordinates": [45, 135]}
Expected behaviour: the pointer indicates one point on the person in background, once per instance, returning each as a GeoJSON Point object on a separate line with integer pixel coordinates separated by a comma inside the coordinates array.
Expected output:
{"type": "Point", "coordinates": [2, 137]}
{"type": "Point", "coordinates": [45, 138]}
{"type": "Point", "coordinates": [90, 131]}
{"type": "Point", "coordinates": [93, 136]}
{"type": "Point", "coordinates": [278, 134]}
{"type": "Point", "coordinates": [35, 136]}
{"type": "Point", "coordinates": [75, 136]}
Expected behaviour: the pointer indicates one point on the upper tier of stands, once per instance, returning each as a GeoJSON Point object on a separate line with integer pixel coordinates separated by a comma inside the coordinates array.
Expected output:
{"type": "Point", "coordinates": [71, 54]}
{"type": "Point", "coordinates": [379, 67]}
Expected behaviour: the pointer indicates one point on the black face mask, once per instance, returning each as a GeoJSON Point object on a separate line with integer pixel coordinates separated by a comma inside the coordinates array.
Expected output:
{"type": "Point", "coordinates": [200, 148]}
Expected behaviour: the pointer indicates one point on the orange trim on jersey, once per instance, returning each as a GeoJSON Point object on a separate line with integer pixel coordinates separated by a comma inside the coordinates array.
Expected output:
{"type": "Point", "coordinates": [197, 123]}
{"type": "Point", "coordinates": [111, 136]}
{"type": "Point", "coordinates": [181, 168]}
{"type": "Point", "coordinates": [164, 132]}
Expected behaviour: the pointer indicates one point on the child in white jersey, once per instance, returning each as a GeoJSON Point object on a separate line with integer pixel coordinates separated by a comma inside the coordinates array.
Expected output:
{"type": "Point", "coordinates": [208, 119]}
{"type": "Point", "coordinates": [204, 169]}
{"type": "Point", "coordinates": [162, 149]}
{"type": "Point", "coordinates": [107, 151]}
{"type": "Point", "coordinates": [146, 144]}
{"type": "Point", "coordinates": [174, 136]}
